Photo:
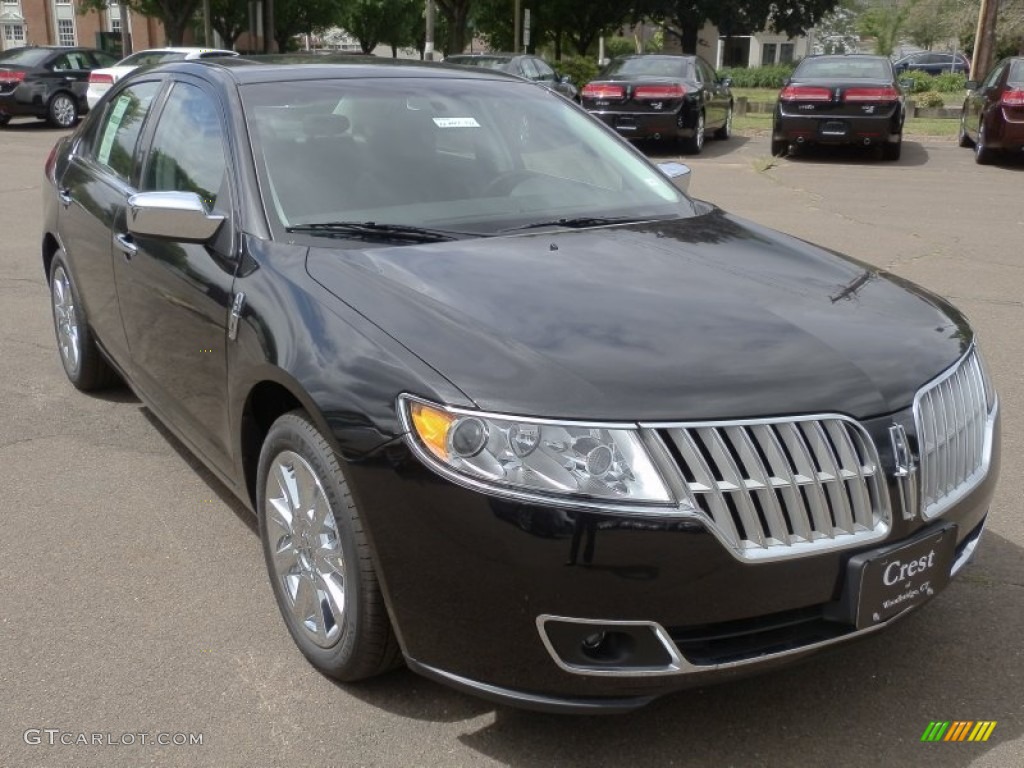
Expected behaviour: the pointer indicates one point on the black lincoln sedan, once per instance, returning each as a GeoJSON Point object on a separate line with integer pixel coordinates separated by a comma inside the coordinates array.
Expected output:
{"type": "Point", "coordinates": [662, 96]}
{"type": "Point", "coordinates": [522, 65]}
{"type": "Point", "coordinates": [47, 82]}
{"type": "Point", "coordinates": [848, 99]}
{"type": "Point", "coordinates": [508, 404]}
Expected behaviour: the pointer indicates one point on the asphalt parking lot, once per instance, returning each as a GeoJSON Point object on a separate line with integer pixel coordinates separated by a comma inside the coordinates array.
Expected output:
{"type": "Point", "coordinates": [135, 599]}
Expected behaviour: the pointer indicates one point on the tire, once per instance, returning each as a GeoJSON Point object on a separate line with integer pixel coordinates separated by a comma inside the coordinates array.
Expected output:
{"type": "Point", "coordinates": [4, 121]}
{"type": "Point", "coordinates": [891, 150]}
{"type": "Point", "coordinates": [983, 155]}
{"type": "Point", "coordinates": [62, 111]}
{"type": "Point", "coordinates": [320, 570]}
{"type": "Point", "coordinates": [962, 138]}
{"type": "Point", "coordinates": [779, 147]}
{"type": "Point", "coordinates": [692, 145]}
{"type": "Point", "coordinates": [84, 364]}
{"type": "Point", "coordinates": [725, 132]}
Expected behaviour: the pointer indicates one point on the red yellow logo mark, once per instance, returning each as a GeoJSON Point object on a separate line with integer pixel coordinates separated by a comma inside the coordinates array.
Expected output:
{"type": "Point", "coordinates": [958, 730]}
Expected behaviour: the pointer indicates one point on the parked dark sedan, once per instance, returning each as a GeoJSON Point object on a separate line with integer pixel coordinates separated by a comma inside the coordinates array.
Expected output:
{"type": "Point", "coordinates": [48, 83]}
{"type": "Point", "coordinates": [992, 118]}
{"type": "Point", "coordinates": [523, 65]}
{"type": "Point", "coordinates": [933, 63]}
{"type": "Point", "coordinates": [850, 99]}
{"type": "Point", "coordinates": [661, 96]}
{"type": "Point", "coordinates": [507, 404]}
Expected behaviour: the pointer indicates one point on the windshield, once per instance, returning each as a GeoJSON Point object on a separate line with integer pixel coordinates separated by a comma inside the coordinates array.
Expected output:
{"type": "Point", "coordinates": [649, 66]}
{"type": "Point", "coordinates": [148, 58]}
{"type": "Point", "coordinates": [844, 68]}
{"type": "Point", "coordinates": [486, 62]}
{"type": "Point", "coordinates": [24, 57]}
{"type": "Point", "coordinates": [452, 154]}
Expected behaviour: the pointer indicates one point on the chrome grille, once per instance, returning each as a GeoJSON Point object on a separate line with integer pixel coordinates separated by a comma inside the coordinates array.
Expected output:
{"type": "Point", "coordinates": [953, 435]}
{"type": "Point", "coordinates": [782, 488]}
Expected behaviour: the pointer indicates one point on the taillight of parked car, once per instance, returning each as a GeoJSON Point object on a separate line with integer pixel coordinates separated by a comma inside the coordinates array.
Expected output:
{"type": "Point", "coordinates": [11, 77]}
{"type": "Point", "coordinates": [805, 93]}
{"type": "Point", "coordinates": [659, 92]}
{"type": "Point", "coordinates": [1013, 98]}
{"type": "Point", "coordinates": [97, 78]}
{"type": "Point", "coordinates": [592, 91]}
{"type": "Point", "coordinates": [886, 94]}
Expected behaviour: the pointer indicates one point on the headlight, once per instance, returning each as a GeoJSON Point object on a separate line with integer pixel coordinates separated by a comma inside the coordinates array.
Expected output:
{"type": "Point", "coordinates": [510, 453]}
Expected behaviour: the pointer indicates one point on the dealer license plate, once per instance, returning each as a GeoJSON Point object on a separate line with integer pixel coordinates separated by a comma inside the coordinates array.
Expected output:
{"type": "Point", "coordinates": [897, 579]}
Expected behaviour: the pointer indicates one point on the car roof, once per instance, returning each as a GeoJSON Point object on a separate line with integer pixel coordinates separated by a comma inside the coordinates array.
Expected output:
{"type": "Point", "coordinates": [491, 55]}
{"type": "Point", "coordinates": [291, 67]}
{"type": "Point", "coordinates": [657, 56]}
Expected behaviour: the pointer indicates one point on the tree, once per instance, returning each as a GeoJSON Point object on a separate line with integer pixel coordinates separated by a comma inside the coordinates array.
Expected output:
{"type": "Point", "coordinates": [930, 21]}
{"type": "Point", "coordinates": [837, 31]}
{"type": "Point", "coordinates": [373, 22]}
{"type": "Point", "coordinates": [175, 15]}
{"type": "Point", "coordinates": [229, 18]}
{"type": "Point", "coordinates": [884, 21]}
{"type": "Point", "coordinates": [297, 17]}
{"type": "Point", "coordinates": [456, 13]}
{"type": "Point", "coordinates": [685, 18]}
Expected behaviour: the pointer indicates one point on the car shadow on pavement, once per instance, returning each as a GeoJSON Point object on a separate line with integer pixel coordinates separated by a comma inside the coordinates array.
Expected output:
{"type": "Point", "coordinates": [32, 124]}
{"type": "Point", "coordinates": [912, 154]}
{"type": "Point", "coordinates": [658, 151]}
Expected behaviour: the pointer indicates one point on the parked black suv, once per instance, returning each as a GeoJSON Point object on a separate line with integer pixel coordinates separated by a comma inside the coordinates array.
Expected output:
{"type": "Point", "coordinates": [47, 82]}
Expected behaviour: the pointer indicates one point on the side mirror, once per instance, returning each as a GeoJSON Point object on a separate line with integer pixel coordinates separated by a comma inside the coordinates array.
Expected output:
{"type": "Point", "coordinates": [678, 173]}
{"type": "Point", "coordinates": [971, 85]}
{"type": "Point", "coordinates": [726, 82]}
{"type": "Point", "coordinates": [180, 216]}
{"type": "Point", "coordinates": [566, 80]}
{"type": "Point", "coordinates": [907, 84]}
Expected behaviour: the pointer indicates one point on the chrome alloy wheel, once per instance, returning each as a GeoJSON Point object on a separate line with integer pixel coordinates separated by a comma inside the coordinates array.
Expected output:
{"type": "Point", "coordinates": [63, 111]}
{"type": "Point", "coordinates": [306, 555]}
{"type": "Point", "coordinates": [69, 338]}
{"type": "Point", "coordinates": [698, 134]}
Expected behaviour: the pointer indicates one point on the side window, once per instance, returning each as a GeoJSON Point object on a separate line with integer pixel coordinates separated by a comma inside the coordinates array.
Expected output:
{"type": "Point", "coordinates": [994, 75]}
{"type": "Point", "coordinates": [706, 73]}
{"type": "Point", "coordinates": [188, 152]}
{"type": "Point", "coordinates": [119, 130]}
{"type": "Point", "coordinates": [101, 59]}
{"type": "Point", "coordinates": [61, 63]}
{"type": "Point", "coordinates": [545, 72]}
{"type": "Point", "coordinates": [529, 69]}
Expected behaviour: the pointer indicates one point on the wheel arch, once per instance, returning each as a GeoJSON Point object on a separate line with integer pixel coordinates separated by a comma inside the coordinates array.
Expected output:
{"type": "Point", "coordinates": [50, 247]}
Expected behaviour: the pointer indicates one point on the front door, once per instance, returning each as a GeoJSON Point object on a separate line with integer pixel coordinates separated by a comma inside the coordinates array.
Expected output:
{"type": "Point", "coordinates": [175, 297]}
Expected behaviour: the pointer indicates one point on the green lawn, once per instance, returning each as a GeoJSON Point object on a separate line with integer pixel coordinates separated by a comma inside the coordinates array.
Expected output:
{"type": "Point", "coordinates": [757, 123]}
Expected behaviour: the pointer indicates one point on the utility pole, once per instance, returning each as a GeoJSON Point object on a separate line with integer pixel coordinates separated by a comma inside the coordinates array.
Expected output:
{"type": "Point", "coordinates": [207, 28]}
{"type": "Point", "coordinates": [268, 26]}
{"type": "Point", "coordinates": [428, 43]}
{"type": "Point", "coordinates": [984, 39]}
{"type": "Point", "coordinates": [518, 26]}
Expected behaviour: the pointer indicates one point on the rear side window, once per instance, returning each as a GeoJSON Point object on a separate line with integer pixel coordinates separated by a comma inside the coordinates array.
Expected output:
{"type": "Point", "coordinates": [119, 130]}
{"type": "Point", "coordinates": [1017, 73]}
{"type": "Point", "coordinates": [187, 154]}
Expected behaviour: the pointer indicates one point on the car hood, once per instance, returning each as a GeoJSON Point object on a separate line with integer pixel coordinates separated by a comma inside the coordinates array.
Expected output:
{"type": "Point", "coordinates": [703, 318]}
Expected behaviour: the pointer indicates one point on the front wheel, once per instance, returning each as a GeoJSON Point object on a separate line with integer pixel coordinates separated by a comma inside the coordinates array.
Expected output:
{"type": "Point", "coordinates": [725, 131]}
{"type": "Point", "coordinates": [62, 111]}
{"type": "Point", "coordinates": [317, 555]}
{"type": "Point", "coordinates": [693, 145]}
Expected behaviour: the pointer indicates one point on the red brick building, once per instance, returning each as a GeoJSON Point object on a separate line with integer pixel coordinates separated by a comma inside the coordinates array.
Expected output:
{"type": "Point", "coordinates": [59, 22]}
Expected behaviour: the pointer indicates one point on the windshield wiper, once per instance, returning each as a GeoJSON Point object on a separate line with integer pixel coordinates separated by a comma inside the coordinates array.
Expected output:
{"type": "Point", "coordinates": [580, 222]}
{"type": "Point", "coordinates": [375, 231]}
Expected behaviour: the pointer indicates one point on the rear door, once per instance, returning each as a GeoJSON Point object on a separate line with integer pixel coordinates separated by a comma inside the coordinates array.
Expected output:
{"type": "Point", "coordinates": [986, 96]}
{"type": "Point", "coordinates": [70, 72]}
{"type": "Point", "coordinates": [716, 101]}
{"type": "Point", "coordinates": [99, 178]}
{"type": "Point", "coordinates": [176, 296]}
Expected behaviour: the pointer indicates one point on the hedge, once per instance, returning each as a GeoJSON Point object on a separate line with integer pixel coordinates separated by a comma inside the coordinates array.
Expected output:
{"type": "Point", "coordinates": [758, 77]}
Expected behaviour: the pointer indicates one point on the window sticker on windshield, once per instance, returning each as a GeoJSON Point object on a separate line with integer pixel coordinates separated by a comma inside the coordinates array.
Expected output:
{"type": "Point", "coordinates": [456, 122]}
{"type": "Point", "coordinates": [116, 115]}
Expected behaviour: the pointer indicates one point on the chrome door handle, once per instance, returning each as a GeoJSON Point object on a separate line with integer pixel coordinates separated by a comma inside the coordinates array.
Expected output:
{"type": "Point", "coordinates": [125, 244]}
{"type": "Point", "coordinates": [65, 196]}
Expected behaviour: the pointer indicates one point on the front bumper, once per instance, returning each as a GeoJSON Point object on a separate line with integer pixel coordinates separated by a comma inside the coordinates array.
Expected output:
{"type": "Point", "coordinates": [472, 580]}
